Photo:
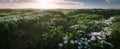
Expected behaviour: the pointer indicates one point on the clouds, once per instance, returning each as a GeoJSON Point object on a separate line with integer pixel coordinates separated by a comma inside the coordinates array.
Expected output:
{"type": "Point", "coordinates": [5, 1]}
{"type": "Point", "coordinates": [8, 5]}
{"type": "Point", "coordinates": [35, 4]}
{"type": "Point", "coordinates": [111, 1]}
{"type": "Point", "coordinates": [65, 2]}
{"type": "Point", "coordinates": [60, 3]}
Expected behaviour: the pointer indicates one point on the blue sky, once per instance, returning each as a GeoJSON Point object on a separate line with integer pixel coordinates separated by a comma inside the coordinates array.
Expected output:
{"type": "Point", "coordinates": [51, 4]}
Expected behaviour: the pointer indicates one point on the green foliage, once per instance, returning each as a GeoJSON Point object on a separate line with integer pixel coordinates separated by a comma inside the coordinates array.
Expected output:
{"type": "Point", "coordinates": [44, 30]}
{"type": "Point", "coordinates": [3, 14]}
{"type": "Point", "coordinates": [115, 34]}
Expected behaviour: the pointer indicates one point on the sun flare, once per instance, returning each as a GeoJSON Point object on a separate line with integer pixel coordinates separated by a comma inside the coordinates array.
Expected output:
{"type": "Point", "coordinates": [46, 4]}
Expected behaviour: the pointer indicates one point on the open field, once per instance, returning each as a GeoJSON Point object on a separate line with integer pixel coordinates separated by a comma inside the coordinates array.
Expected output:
{"type": "Point", "coordinates": [60, 29]}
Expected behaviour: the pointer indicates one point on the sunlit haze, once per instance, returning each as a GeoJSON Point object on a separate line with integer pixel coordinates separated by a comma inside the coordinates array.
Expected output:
{"type": "Point", "coordinates": [45, 4]}
{"type": "Point", "coordinates": [62, 4]}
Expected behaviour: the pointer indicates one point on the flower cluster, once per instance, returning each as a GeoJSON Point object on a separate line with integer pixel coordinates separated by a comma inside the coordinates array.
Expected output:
{"type": "Point", "coordinates": [85, 42]}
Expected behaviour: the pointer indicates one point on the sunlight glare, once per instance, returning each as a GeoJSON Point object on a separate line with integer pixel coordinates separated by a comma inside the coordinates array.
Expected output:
{"type": "Point", "coordinates": [46, 4]}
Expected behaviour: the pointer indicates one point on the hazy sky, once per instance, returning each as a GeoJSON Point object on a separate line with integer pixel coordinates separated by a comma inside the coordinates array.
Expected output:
{"type": "Point", "coordinates": [50, 4]}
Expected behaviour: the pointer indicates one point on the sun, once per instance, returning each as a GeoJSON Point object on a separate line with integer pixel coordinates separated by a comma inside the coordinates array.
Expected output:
{"type": "Point", "coordinates": [46, 4]}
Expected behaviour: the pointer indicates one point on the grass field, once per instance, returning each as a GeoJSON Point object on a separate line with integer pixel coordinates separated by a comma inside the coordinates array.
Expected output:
{"type": "Point", "coordinates": [59, 29]}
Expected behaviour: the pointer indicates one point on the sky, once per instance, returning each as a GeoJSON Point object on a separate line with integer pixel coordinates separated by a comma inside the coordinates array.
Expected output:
{"type": "Point", "coordinates": [61, 4]}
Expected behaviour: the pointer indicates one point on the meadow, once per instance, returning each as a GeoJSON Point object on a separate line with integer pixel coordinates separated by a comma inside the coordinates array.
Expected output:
{"type": "Point", "coordinates": [59, 29]}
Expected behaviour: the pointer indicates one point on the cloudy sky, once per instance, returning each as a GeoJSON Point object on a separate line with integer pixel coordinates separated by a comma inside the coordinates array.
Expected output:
{"type": "Point", "coordinates": [51, 4]}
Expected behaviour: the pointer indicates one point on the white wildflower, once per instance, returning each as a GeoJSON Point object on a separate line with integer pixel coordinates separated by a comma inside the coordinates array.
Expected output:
{"type": "Point", "coordinates": [99, 37]}
{"type": "Point", "coordinates": [26, 16]}
{"type": "Point", "coordinates": [85, 39]}
{"type": "Point", "coordinates": [82, 38]}
{"type": "Point", "coordinates": [79, 47]}
{"type": "Point", "coordinates": [74, 26]}
{"type": "Point", "coordinates": [79, 31]}
{"type": "Point", "coordinates": [106, 28]}
{"type": "Point", "coordinates": [103, 36]}
{"type": "Point", "coordinates": [89, 40]}
{"type": "Point", "coordinates": [108, 21]}
{"type": "Point", "coordinates": [65, 42]}
{"type": "Point", "coordinates": [93, 38]}
{"type": "Point", "coordinates": [1, 19]}
{"type": "Point", "coordinates": [72, 42]}
{"type": "Point", "coordinates": [64, 38]}
{"type": "Point", "coordinates": [76, 41]}
{"type": "Point", "coordinates": [60, 45]}
{"type": "Point", "coordinates": [108, 32]}
{"type": "Point", "coordinates": [79, 43]}
{"type": "Point", "coordinates": [96, 22]}
{"type": "Point", "coordinates": [102, 41]}
{"type": "Point", "coordinates": [95, 33]}
{"type": "Point", "coordinates": [50, 26]}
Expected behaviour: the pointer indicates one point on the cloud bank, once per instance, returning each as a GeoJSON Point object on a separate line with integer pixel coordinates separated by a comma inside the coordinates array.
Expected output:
{"type": "Point", "coordinates": [69, 2]}
{"type": "Point", "coordinates": [111, 1]}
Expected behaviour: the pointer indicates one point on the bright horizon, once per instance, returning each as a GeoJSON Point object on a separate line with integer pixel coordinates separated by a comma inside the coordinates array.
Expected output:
{"type": "Point", "coordinates": [60, 4]}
